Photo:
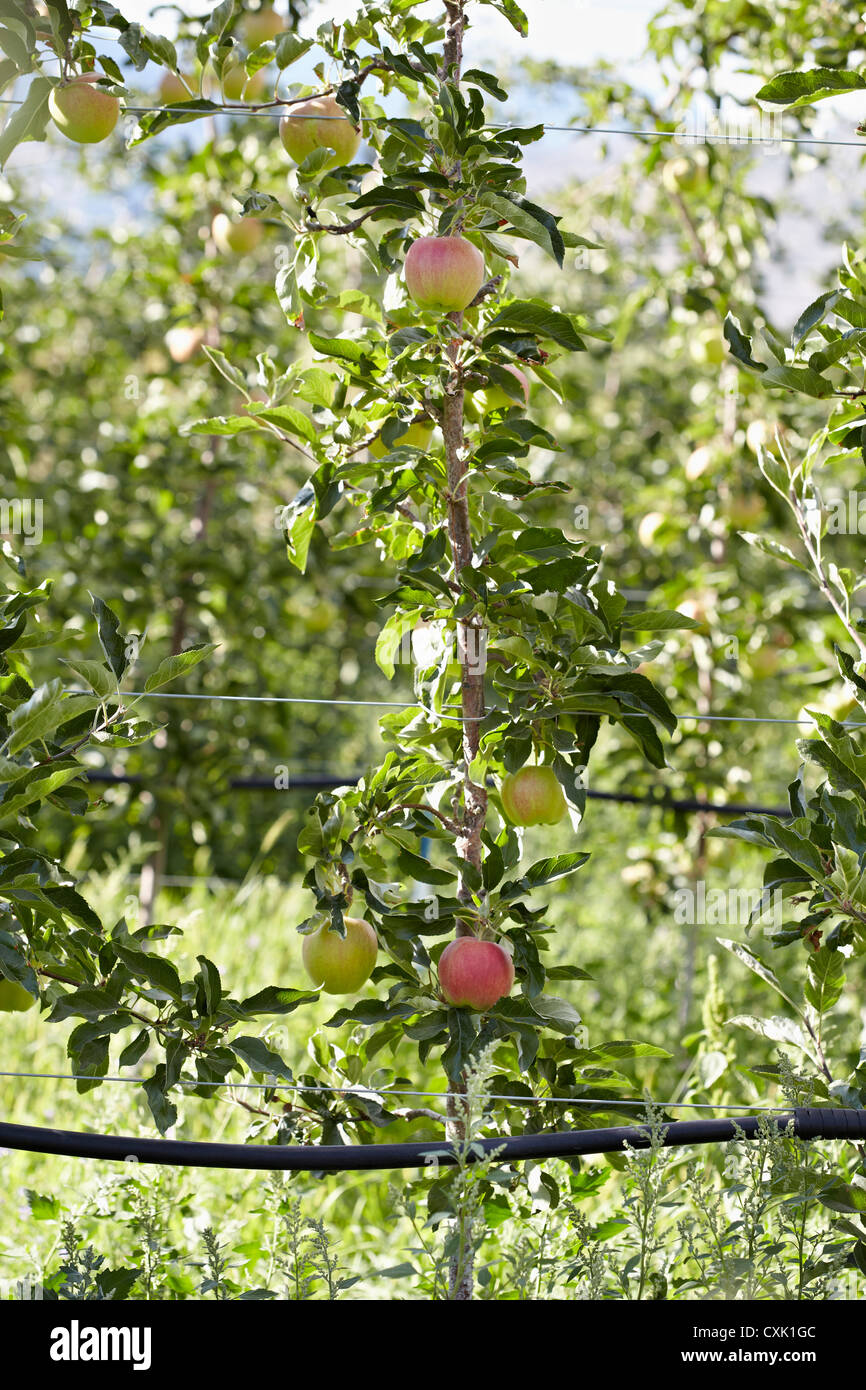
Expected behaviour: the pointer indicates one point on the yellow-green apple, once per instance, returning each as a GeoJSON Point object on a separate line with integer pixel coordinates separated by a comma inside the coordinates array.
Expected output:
{"type": "Point", "coordinates": [320, 124]}
{"type": "Point", "coordinates": [533, 796]}
{"type": "Point", "coordinates": [709, 348]}
{"type": "Point", "coordinates": [83, 112]}
{"type": "Point", "coordinates": [172, 89]}
{"type": "Point", "coordinates": [443, 272]}
{"type": "Point", "coordinates": [416, 436]}
{"type": "Point", "coordinates": [262, 24]}
{"type": "Point", "coordinates": [236, 84]}
{"type": "Point", "coordinates": [764, 661]}
{"type": "Point", "coordinates": [183, 342]}
{"type": "Point", "coordinates": [341, 964]}
{"type": "Point", "coordinates": [475, 974]}
{"type": "Point", "coordinates": [242, 235]}
{"type": "Point", "coordinates": [682, 175]}
{"type": "Point", "coordinates": [744, 510]}
{"type": "Point", "coordinates": [14, 998]}
{"type": "Point", "coordinates": [497, 398]}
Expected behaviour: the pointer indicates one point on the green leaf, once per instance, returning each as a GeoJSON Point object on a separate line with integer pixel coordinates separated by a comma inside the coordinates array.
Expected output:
{"type": "Point", "coordinates": [289, 419]}
{"type": "Point", "coordinates": [94, 674]}
{"type": "Point", "coordinates": [826, 978]}
{"type": "Point", "coordinates": [260, 1058]}
{"type": "Point", "coordinates": [805, 88]}
{"type": "Point", "coordinates": [542, 872]}
{"type": "Point", "coordinates": [275, 1000]}
{"type": "Point", "coordinates": [159, 973]}
{"type": "Point", "coordinates": [530, 220]}
{"type": "Point", "coordinates": [741, 346]}
{"type": "Point", "coordinates": [757, 967]}
{"type": "Point", "coordinates": [814, 314]}
{"type": "Point", "coordinates": [659, 620]}
{"type": "Point", "coordinates": [29, 121]}
{"type": "Point", "coordinates": [174, 666]}
{"type": "Point", "coordinates": [110, 639]}
{"type": "Point", "coordinates": [37, 717]}
{"type": "Point", "coordinates": [163, 1110]}
{"type": "Point", "coordinates": [536, 317]}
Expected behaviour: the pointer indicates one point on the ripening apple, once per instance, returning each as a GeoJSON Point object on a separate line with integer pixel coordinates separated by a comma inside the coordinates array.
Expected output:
{"type": "Point", "coordinates": [533, 796]}
{"type": "Point", "coordinates": [443, 272]}
{"type": "Point", "coordinates": [475, 974]}
{"type": "Point", "coordinates": [183, 342]}
{"type": "Point", "coordinates": [337, 964]}
{"type": "Point", "coordinates": [14, 998]}
{"type": "Point", "coordinates": [320, 124]}
{"type": "Point", "coordinates": [262, 24]}
{"type": "Point", "coordinates": [497, 398]}
{"type": "Point", "coordinates": [417, 436]}
{"type": "Point", "coordinates": [82, 111]}
{"type": "Point", "coordinates": [240, 236]}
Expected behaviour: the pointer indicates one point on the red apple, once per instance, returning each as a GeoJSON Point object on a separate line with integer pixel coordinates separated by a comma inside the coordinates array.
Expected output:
{"type": "Point", "coordinates": [341, 964]}
{"type": "Point", "coordinates": [243, 235]}
{"type": "Point", "coordinates": [443, 272]}
{"type": "Point", "coordinates": [320, 124]}
{"type": "Point", "coordinates": [83, 112]}
{"type": "Point", "coordinates": [14, 998]}
{"type": "Point", "coordinates": [533, 796]}
{"type": "Point", "coordinates": [475, 974]}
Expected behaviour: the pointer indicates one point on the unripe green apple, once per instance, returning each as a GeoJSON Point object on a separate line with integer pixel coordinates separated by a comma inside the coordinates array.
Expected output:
{"type": "Point", "coordinates": [14, 998]}
{"type": "Point", "coordinates": [183, 342]}
{"type": "Point", "coordinates": [83, 112]}
{"type": "Point", "coordinates": [262, 24]}
{"type": "Point", "coordinates": [241, 236]}
{"type": "Point", "coordinates": [443, 272]}
{"type": "Point", "coordinates": [337, 964]}
{"type": "Point", "coordinates": [533, 796]}
{"type": "Point", "coordinates": [320, 124]}
{"type": "Point", "coordinates": [497, 398]}
{"type": "Point", "coordinates": [475, 974]}
{"type": "Point", "coordinates": [417, 436]}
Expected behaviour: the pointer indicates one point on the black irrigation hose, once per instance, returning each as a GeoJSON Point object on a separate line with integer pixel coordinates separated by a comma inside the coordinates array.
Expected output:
{"type": "Point", "coordinates": [326, 782]}
{"type": "Point", "coordinates": [313, 1158]}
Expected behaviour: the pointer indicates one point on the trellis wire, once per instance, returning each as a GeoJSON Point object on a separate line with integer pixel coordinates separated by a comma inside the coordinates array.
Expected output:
{"type": "Point", "coordinates": [439, 714]}
{"type": "Point", "coordinates": [701, 137]}
{"type": "Point", "coordinates": [368, 1092]}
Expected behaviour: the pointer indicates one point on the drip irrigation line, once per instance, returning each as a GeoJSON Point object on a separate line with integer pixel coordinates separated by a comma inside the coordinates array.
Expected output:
{"type": "Point", "coordinates": [368, 1092]}
{"type": "Point", "coordinates": [699, 137]}
{"type": "Point", "coordinates": [338, 1158]}
{"type": "Point", "coordinates": [326, 782]}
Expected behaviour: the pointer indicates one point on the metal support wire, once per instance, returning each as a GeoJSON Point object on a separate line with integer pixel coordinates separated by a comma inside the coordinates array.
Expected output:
{"type": "Point", "coordinates": [349, 1158]}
